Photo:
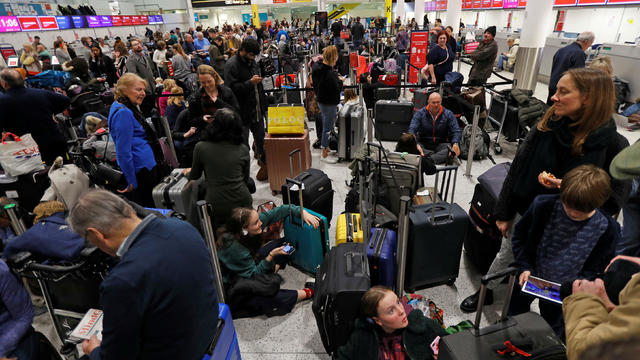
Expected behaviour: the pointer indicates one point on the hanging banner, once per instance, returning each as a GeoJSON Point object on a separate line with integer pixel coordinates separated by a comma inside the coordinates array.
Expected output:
{"type": "Point", "coordinates": [254, 16]}
{"type": "Point", "coordinates": [342, 10]}
{"type": "Point", "coordinates": [419, 41]}
{"type": "Point", "coordinates": [387, 11]}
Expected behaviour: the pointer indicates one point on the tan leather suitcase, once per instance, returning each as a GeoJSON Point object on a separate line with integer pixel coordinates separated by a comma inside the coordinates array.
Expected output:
{"type": "Point", "coordinates": [277, 149]}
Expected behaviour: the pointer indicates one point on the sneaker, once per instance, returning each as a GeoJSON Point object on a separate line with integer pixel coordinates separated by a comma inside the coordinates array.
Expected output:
{"type": "Point", "coordinates": [329, 159]}
{"type": "Point", "coordinates": [310, 283]}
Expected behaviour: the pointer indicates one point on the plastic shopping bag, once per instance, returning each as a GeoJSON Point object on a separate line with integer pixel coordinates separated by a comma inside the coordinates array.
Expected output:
{"type": "Point", "coordinates": [20, 156]}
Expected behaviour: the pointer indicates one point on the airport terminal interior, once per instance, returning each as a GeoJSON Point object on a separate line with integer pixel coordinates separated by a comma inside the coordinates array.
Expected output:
{"type": "Point", "coordinates": [525, 52]}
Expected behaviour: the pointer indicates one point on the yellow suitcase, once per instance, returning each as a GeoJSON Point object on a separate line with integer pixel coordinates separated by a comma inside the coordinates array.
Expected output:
{"type": "Point", "coordinates": [349, 228]}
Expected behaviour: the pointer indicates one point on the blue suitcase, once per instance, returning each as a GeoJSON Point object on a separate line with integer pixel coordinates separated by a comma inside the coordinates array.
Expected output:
{"type": "Point", "coordinates": [381, 252]}
{"type": "Point", "coordinates": [310, 244]}
{"type": "Point", "coordinates": [225, 344]}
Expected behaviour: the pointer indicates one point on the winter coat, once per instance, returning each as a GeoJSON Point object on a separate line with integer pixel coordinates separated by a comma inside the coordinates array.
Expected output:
{"type": "Point", "coordinates": [326, 84]}
{"type": "Point", "coordinates": [444, 129]}
{"type": "Point", "coordinates": [483, 58]}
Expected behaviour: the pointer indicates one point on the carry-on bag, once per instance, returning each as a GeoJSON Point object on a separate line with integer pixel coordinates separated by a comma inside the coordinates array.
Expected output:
{"type": "Point", "coordinates": [285, 119]}
{"type": "Point", "coordinates": [349, 228]}
{"type": "Point", "coordinates": [225, 344]}
{"type": "Point", "coordinates": [311, 244]}
{"type": "Point", "coordinates": [383, 93]}
{"type": "Point", "coordinates": [524, 336]}
{"type": "Point", "coordinates": [483, 238]}
{"type": "Point", "coordinates": [279, 148]}
{"type": "Point", "coordinates": [20, 156]}
{"type": "Point", "coordinates": [317, 191]}
{"type": "Point", "coordinates": [392, 119]}
{"type": "Point", "coordinates": [340, 283]}
{"type": "Point", "coordinates": [176, 192]}
{"type": "Point", "coordinates": [381, 253]}
{"type": "Point", "coordinates": [436, 233]}
{"type": "Point", "coordinates": [351, 134]}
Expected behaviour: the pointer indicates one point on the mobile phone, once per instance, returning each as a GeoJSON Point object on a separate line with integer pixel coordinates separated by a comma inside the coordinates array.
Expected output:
{"type": "Point", "coordinates": [289, 249]}
{"type": "Point", "coordinates": [543, 289]}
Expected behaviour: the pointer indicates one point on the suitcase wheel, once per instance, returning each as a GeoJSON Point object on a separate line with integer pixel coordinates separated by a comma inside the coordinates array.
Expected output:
{"type": "Point", "coordinates": [451, 282]}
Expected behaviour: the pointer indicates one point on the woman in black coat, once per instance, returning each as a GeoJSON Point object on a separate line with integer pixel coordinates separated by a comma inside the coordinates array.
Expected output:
{"type": "Point", "coordinates": [102, 66]}
{"type": "Point", "coordinates": [440, 58]}
{"type": "Point", "coordinates": [577, 130]}
{"type": "Point", "coordinates": [327, 85]}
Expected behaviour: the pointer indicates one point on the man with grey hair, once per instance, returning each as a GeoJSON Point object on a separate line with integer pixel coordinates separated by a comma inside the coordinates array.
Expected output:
{"type": "Point", "coordinates": [159, 301]}
{"type": "Point", "coordinates": [31, 111]}
{"type": "Point", "coordinates": [569, 57]}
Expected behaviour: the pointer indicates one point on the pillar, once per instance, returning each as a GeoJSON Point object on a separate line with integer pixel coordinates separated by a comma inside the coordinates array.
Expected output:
{"type": "Point", "coordinates": [454, 13]}
{"type": "Point", "coordinates": [191, 14]}
{"type": "Point", "coordinates": [400, 11]}
{"type": "Point", "coordinates": [321, 5]}
{"type": "Point", "coordinates": [538, 16]}
{"type": "Point", "coordinates": [419, 13]}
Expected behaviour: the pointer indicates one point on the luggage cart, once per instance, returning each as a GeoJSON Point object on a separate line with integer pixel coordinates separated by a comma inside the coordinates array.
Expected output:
{"type": "Point", "coordinates": [497, 117]}
{"type": "Point", "coordinates": [81, 278]}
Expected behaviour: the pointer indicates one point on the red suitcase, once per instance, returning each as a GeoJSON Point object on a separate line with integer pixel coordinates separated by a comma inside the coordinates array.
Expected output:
{"type": "Point", "coordinates": [390, 80]}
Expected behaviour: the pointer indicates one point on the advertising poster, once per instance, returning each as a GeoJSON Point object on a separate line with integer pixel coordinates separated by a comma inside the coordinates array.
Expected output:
{"type": "Point", "coordinates": [418, 44]}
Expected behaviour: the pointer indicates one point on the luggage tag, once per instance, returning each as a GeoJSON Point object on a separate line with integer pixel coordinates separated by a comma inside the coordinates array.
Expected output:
{"type": "Point", "coordinates": [294, 187]}
{"type": "Point", "coordinates": [435, 345]}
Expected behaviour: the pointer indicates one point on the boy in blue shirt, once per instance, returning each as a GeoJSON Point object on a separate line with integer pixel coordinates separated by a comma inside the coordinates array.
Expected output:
{"type": "Point", "coordinates": [563, 237]}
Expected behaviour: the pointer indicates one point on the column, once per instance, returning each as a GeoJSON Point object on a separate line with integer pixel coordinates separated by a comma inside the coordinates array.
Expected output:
{"type": "Point", "coordinates": [191, 14]}
{"type": "Point", "coordinates": [321, 6]}
{"type": "Point", "coordinates": [400, 11]}
{"type": "Point", "coordinates": [538, 17]}
{"type": "Point", "coordinates": [454, 13]}
{"type": "Point", "coordinates": [419, 13]}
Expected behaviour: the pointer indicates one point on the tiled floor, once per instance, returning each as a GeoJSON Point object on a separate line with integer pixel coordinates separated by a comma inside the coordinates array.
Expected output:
{"type": "Point", "coordinates": [295, 336]}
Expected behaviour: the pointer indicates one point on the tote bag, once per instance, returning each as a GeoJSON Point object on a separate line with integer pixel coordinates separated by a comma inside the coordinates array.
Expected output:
{"type": "Point", "coordinates": [20, 156]}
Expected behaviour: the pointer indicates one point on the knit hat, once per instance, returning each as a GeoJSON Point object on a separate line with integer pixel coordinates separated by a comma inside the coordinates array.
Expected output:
{"type": "Point", "coordinates": [491, 30]}
{"type": "Point", "coordinates": [626, 165]}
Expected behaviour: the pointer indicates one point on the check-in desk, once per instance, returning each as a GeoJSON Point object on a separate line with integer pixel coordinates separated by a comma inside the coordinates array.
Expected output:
{"type": "Point", "coordinates": [552, 45]}
{"type": "Point", "coordinates": [626, 64]}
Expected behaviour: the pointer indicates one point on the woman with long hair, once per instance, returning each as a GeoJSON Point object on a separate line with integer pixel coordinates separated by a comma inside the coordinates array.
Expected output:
{"type": "Point", "coordinates": [102, 66]}
{"type": "Point", "coordinates": [120, 54]}
{"type": "Point", "coordinates": [577, 130]}
{"type": "Point", "coordinates": [181, 66]}
{"type": "Point", "coordinates": [29, 59]}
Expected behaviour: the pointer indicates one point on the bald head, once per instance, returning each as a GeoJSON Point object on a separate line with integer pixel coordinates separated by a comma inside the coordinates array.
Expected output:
{"type": "Point", "coordinates": [11, 79]}
{"type": "Point", "coordinates": [435, 102]}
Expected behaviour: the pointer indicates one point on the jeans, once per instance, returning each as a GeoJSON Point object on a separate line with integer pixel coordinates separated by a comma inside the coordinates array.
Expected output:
{"type": "Point", "coordinates": [438, 153]}
{"type": "Point", "coordinates": [501, 60]}
{"type": "Point", "coordinates": [505, 257]}
{"type": "Point", "coordinates": [328, 117]}
{"type": "Point", "coordinates": [630, 242]}
{"type": "Point", "coordinates": [337, 41]}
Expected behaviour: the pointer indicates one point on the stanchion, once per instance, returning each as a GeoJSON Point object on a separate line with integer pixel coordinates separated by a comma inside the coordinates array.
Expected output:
{"type": "Point", "coordinates": [367, 115]}
{"type": "Point", "coordinates": [472, 143]}
{"type": "Point", "coordinates": [203, 210]}
{"type": "Point", "coordinates": [16, 223]}
{"type": "Point", "coordinates": [406, 77]}
{"type": "Point", "coordinates": [403, 237]}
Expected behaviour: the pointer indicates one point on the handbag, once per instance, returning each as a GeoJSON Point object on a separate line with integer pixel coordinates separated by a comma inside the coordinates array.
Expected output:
{"type": "Point", "coordinates": [106, 173]}
{"type": "Point", "coordinates": [20, 156]}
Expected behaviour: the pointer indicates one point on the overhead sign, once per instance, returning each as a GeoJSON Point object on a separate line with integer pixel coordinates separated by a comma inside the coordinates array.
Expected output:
{"type": "Point", "coordinates": [342, 10]}
{"type": "Point", "coordinates": [93, 21]}
{"type": "Point", "coordinates": [48, 22]}
{"type": "Point", "coordinates": [255, 16]}
{"type": "Point", "coordinates": [29, 23]}
{"type": "Point", "coordinates": [387, 11]}
{"type": "Point", "coordinates": [105, 21]}
{"type": "Point", "coordinates": [64, 22]}
{"type": "Point", "coordinates": [116, 20]}
{"type": "Point", "coordinates": [9, 24]}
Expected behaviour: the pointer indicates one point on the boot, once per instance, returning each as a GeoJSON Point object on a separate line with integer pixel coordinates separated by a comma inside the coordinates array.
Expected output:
{"type": "Point", "coordinates": [470, 304]}
{"type": "Point", "coordinates": [262, 174]}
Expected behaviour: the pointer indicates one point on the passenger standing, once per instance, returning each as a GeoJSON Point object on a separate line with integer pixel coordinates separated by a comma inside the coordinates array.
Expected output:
{"type": "Point", "coordinates": [217, 55]}
{"type": "Point", "coordinates": [569, 57]}
{"type": "Point", "coordinates": [357, 34]}
{"type": "Point", "coordinates": [181, 68]}
{"type": "Point", "coordinates": [483, 58]}
{"type": "Point", "coordinates": [60, 51]}
{"type": "Point", "coordinates": [120, 60]}
{"type": "Point", "coordinates": [241, 73]}
{"type": "Point", "coordinates": [577, 130]}
{"type": "Point", "coordinates": [140, 64]}
{"type": "Point", "coordinates": [327, 85]}
{"type": "Point", "coordinates": [440, 59]}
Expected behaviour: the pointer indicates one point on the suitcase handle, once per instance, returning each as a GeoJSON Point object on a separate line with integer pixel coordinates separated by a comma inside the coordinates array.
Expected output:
{"type": "Point", "coordinates": [291, 161]}
{"type": "Point", "coordinates": [350, 267]}
{"type": "Point", "coordinates": [511, 271]}
{"type": "Point", "coordinates": [299, 183]}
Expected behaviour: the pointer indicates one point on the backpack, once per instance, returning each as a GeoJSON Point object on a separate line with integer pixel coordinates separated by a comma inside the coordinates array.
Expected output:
{"type": "Point", "coordinates": [482, 143]}
{"type": "Point", "coordinates": [390, 66]}
{"type": "Point", "coordinates": [267, 66]}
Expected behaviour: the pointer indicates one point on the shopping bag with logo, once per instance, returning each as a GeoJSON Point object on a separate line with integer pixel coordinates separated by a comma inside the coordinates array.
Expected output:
{"type": "Point", "coordinates": [20, 156]}
{"type": "Point", "coordinates": [286, 119]}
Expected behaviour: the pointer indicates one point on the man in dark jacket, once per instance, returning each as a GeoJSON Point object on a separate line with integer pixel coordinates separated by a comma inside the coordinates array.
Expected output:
{"type": "Point", "coordinates": [159, 301]}
{"type": "Point", "coordinates": [217, 56]}
{"type": "Point", "coordinates": [31, 111]}
{"type": "Point", "coordinates": [569, 57]}
{"type": "Point", "coordinates": [357, 34]}
{"type": "Point", "coordinates": [436, 129]}
{"type": "Point", "coordinates": [336, 28]}
{"type": "Point", "coordinates": [483, 58]}
{"type": "Point", "coordinates": [241, 74]}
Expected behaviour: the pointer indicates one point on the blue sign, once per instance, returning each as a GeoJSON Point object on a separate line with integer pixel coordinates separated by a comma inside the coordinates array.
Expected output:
{"type": "Point", "coordinates": [64, 22]}
{"type": "Point", "coordinates": [78, 21]}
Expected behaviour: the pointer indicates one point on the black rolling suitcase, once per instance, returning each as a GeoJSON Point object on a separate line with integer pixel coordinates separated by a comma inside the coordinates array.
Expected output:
{"type": "Point", "coordinates": [384, 93]}
{"type": "Point", "coordinates": [483, 239]}
{"type": "Point", "coordinates": [436, 233]}
{"type": "Point", "coordinates": [392, 118]}
{"type": "Point", "coordinates": [340, 283]}
{"type": "Point", "coordinates": [317, 193]}
{"type": "Point", "coordinates": [524, 336]}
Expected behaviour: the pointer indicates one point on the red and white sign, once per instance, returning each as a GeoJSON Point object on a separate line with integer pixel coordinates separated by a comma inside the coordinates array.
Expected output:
{"type": "Point", "coordinates": [560, 21]}
{"type": "Point", "coordinates": [29, 23]}
{"type": "Point", "coordinates": [126, 20]}
{"type": "Point", "coordinates": [144, 20]}
{"type": "Point", "coordinates": [418, 56]}
{"type": "Point", "coordinates": [116, 20]}
{"type": "Point", "coordinates": [279, 1]}
{"type": "Point", "coordinates": [441, 5]}
{"type": "Point", "coordinates": [477, 4]}
{"type": "Point", "coordinates": [135, 20]}
{"type": "Point", "coordinates": [564, 3]}
{"type": "Point", "coordinates": [623, 2]}
{"type": "Point", "coordinates": [48, 22]}
{"type": "Point", "coordinates": [497, 4]}
{"type": "Point", "coordinates": [486, 4]}
{"type": "Point", "coordinates": [522, 3]}
{"type": "Point", "coordinates": [591, 2]}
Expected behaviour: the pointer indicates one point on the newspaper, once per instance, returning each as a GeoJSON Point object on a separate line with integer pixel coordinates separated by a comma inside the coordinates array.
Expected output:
{"type": "Point", "coordinates": [91, 324]}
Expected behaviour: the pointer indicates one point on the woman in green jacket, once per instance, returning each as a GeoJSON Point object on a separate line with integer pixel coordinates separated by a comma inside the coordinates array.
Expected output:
{"type": "Point", "coordinates": [243, 255]}
{"type": "Point", "coordinates": [390, 330]}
